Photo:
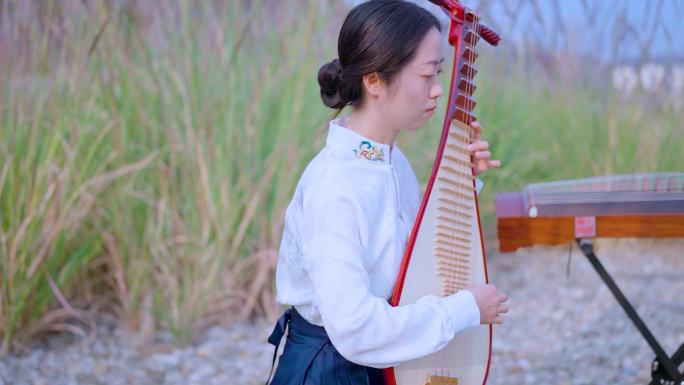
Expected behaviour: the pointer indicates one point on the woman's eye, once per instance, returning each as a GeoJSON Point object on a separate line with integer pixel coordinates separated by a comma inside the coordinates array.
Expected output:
{"type": "Point", "coordinates": [433, 75]}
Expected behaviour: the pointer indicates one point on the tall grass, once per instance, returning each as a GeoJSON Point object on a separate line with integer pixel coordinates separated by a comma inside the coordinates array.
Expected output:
{"type": "Point", "coordinates": [152, 150]}
{"type": "Point", "coordinates": [148, 152]}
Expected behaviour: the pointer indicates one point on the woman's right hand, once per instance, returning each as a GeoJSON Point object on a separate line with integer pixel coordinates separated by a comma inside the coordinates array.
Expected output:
{"type": "Point", "coordinates": [490, 303]}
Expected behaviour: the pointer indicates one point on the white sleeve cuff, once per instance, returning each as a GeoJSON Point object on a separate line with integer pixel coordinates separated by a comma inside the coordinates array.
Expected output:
{"type": "Point", "coordinates": [463, 311]}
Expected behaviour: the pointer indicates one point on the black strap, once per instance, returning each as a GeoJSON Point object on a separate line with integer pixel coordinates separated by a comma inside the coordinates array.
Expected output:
{"type": "Point", "coordinates": [277, 335]}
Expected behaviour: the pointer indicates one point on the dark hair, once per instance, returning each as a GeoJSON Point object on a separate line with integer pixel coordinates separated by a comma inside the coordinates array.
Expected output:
{"type": "Point", "coordinates": [377, 36]}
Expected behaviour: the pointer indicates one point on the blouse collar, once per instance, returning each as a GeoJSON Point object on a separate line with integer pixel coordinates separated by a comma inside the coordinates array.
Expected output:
{"type": "Point", "coordinates": [356, 145]}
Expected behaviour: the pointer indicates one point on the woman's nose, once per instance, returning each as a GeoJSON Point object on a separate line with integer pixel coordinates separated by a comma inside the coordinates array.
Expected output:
{"type": "Point", "coordinates": [436, 91]}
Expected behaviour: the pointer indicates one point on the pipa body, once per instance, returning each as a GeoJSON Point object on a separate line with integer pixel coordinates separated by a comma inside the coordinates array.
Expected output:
{"type": "Point", "coordinates": [445, 251]}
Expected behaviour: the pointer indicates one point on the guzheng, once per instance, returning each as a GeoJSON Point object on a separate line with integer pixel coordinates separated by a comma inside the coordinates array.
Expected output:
{"type": "Point", "coordinates": [445, 251]}
{"type": "Point", "coordinates": [636, 205]}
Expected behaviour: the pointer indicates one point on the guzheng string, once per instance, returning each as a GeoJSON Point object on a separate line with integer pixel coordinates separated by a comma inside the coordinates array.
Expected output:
{"type": "Point", "coordinates": [635, 184]}
{"type": "Point", "coordinates": [659, 182]}
{"type": "Point", "coordinates": [663, 192]}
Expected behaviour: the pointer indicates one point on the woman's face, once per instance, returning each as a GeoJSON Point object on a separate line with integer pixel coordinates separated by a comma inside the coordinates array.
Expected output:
{"type": "Point", "coordinates": [411, 98]}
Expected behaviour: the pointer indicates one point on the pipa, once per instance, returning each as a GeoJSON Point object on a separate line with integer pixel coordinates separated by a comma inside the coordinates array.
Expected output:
{"type": "Point", "coordinates": [445, 251]}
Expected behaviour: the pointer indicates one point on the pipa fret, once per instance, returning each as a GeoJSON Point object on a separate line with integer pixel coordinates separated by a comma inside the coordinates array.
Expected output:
{"type": "Point", "coordinates": [462, 186]}
{"type": "Point", "coordinates": [468, 71]}
{"type": "Point", "coordinates": [462, 162]}
{"type": "Point", "coordinates": [454, 230]}
{"type": "Point", "coordinates": [460, 137]}
{"type": "Point", "coordinates": [458, 149]}
{"type": "Point", "coordinates": [455, 250]}
{"type": "Point", "coordinates": [455, 204]}
{"type": "Point", "coordinates": [461, 174]}
{"type": "Point", "coordinates": [451, 237]}
{"type": "Point", "coordinates": [466, 87]}
{"type": "Point", "coordinates": [454, 221]}
{"type": "Point", "coordinates": [455, 213]}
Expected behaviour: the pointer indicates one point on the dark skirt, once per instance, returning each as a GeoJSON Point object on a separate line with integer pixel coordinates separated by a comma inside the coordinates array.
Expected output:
{"type": "Point", "coordinates": [309, 358]}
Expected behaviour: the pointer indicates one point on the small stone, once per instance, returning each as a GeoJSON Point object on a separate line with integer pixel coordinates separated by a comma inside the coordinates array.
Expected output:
{"type": "Point", "coordinates": [201, 373]}
{"type": "Point", "coordinates": [163, 361]}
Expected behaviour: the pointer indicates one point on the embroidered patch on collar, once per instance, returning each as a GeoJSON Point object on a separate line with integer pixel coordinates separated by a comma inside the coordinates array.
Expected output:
{"type": "Point", "coordinates": [368, 151]}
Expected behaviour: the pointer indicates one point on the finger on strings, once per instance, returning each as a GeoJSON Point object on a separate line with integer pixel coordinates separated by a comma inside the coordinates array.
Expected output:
{"type": "Point", "coordinates": [480, 145]}
{"type": "Point", "coordinates": [478, 130]}
{"type": "Point", "coordinates": [502, 309]}
{"type": "Point", "coordinates": [495, 163]}
{"type": "Point", "coordinates": [498, 320]}
{"type": "Point", "coordinates": [503, 297]}
{"type": "Point", "coordinates": [482, 154]}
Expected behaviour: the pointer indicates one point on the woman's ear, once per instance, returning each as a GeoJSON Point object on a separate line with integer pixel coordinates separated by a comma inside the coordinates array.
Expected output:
{"type": "Point", "coordinates": [374, 85]}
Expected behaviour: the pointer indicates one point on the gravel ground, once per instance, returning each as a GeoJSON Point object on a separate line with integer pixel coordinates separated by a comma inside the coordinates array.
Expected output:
{"type": "Point", "coordinates": [571, 330]}
{"type": "Point", "coordinates": [560, 330]}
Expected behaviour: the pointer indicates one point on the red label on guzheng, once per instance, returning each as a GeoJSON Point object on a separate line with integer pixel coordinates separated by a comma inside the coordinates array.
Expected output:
{"type": "Point", "coordinates": [585, 227]}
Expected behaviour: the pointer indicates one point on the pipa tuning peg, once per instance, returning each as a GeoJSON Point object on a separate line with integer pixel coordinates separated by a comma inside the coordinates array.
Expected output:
{"type": "Point", "coordinates": [489, 35]}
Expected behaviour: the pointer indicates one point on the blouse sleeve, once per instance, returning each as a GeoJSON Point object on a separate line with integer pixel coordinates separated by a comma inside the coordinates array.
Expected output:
{"type": "Point", "coordinates": [365, 329]}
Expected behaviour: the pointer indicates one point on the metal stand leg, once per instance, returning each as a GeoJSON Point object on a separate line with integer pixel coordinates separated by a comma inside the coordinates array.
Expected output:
{"type": "Point", "coordinates": [664, 370]}
{"type": "Point", "coordinates": [658, 373]}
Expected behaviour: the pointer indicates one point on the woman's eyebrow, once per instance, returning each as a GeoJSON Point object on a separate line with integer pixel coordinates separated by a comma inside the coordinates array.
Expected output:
{"type": "Point", "coordinates": [435, 62]}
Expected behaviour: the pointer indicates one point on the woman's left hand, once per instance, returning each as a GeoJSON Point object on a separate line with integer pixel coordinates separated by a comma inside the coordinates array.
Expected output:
{"type": "Point", "coordinates": [479, 149]}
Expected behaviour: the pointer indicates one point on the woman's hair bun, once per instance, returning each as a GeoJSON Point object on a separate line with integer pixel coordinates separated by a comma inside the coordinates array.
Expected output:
{"type": "Point", "coordinates": [329, 78]}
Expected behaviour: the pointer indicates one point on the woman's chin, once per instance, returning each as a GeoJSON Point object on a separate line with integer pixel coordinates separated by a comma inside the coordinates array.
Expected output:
{"type": "Point", "coordinates": [416, 127]}
{"type": "Point", "coordinates": [425, 120]}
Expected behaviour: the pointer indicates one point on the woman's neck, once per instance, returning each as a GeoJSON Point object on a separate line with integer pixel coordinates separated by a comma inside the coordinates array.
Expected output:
{"type": "Point", "coordinates": [372, 126]}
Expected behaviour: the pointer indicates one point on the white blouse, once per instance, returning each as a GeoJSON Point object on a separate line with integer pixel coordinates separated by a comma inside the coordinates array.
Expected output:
{"type": "Point", "coordinates": [344, 237]}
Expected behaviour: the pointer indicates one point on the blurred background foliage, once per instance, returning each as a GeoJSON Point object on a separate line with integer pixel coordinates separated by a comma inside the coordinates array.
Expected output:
{"type": "Point", "coordinates": [148, 149]}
